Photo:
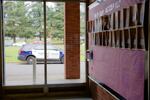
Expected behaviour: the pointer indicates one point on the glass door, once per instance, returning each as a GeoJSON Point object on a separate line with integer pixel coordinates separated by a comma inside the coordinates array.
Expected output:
{"type": "Point", "coordinates": [55, 23]}
{"type": "Point", "coordinates": [23, 42]}
{"type": "Point", "coordinates": [34, 43]}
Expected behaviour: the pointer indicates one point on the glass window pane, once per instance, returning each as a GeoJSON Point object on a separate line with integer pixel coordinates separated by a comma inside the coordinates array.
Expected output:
{"type": "Point", "coordinates": [23, 30]}
{"type": "Point", "coordinates": [55, 39]}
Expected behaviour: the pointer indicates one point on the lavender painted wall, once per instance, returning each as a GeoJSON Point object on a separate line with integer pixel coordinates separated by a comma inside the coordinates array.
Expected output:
{"type": "Point", "coordinates": [120, 69]}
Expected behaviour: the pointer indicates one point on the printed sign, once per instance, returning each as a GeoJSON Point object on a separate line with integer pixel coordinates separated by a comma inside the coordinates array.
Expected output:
{"type": "Point", "coordinates": [105, 7]}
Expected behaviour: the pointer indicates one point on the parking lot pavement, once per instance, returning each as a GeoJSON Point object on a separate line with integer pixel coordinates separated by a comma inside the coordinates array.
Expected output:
{"type": "Point", "coordinates": [22, 74]}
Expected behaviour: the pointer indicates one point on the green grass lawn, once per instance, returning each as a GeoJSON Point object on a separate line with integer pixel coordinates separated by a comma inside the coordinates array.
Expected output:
{"type": "Point", "coordinates": [82, 52]}
{"type": "Point", "coordinates": [11, 53]}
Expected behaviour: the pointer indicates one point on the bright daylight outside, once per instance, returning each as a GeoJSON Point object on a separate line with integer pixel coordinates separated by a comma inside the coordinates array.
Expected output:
{"type": "Point", "coordinates": [24, 43]}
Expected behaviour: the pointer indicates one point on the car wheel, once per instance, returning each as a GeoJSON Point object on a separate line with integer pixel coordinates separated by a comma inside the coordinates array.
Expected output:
{"type": "Point", "coordinates": [62, 60]}
{"type": "Point", "coordinates": [30, 59]}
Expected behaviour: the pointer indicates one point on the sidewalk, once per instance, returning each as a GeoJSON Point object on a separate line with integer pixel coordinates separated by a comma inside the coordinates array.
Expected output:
{"type": "Point", "coordinates": [22, 74]}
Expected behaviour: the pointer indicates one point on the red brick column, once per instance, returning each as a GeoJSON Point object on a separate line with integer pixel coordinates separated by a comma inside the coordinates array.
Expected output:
{"type": "Point", "coordinates": [72, 40]}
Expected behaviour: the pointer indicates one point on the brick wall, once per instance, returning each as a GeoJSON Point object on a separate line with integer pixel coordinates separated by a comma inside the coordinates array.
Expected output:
{"type": "Point", "coordinates": [99, 93]}
{"type": "Point", "coordinates": [72, 40]}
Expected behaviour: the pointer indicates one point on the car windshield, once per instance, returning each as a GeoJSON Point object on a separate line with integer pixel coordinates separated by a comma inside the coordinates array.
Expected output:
{"type": "Point", "coordinates": [27, 47]}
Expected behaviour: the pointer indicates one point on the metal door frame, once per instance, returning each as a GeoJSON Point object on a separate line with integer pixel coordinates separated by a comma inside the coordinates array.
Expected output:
{"type": "Point", "coordinates": [45, 86]}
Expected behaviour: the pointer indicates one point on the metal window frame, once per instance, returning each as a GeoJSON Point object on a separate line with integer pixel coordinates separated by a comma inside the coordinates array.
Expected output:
{"type": "Point", "coordinates": [148, 51]}
{"type": "Point", "coordinates": [53, 0]}
{"type": "Point", "coordinates": [46, 87]}
{"type": "Point", "coordinates": [1, 44]}
{"type": "Point", "coordinates": [87, 45]}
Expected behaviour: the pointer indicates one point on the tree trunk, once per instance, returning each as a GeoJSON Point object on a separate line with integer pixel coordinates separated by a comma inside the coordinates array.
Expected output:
{"type": "Point", "coordinates": [40, 36]}
{"type": "Point", "coordinates": [26, 39]}
{"type": "Point", "coordinates": [14, 38]}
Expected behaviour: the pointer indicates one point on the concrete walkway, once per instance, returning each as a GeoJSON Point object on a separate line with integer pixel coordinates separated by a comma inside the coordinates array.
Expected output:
{"type": "Point", "coordinates": [22, 74]}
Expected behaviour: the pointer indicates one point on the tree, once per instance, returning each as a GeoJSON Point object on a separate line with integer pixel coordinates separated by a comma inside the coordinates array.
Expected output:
{"type": "Point", "coordinates": [36, 17]}
{"type": "Point", "coordinates": [82, 19]}
{"type": "Point", "coordinates": [26, 20]}
{"type": "Point", "coordinates": [59, 21]}
{"type": "Point", "coordinates": [15, 20]}
{"type": "Point", "coordinates": [10, 23]}
{"type": "Point", "coordinates": [50, 21]}
{"type": "Point", "coordinates": [55, 21]}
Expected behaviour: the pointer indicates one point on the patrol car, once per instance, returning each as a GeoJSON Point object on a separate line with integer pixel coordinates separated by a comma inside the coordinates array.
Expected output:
{"type": "Point", "coordinates": [35, 52]}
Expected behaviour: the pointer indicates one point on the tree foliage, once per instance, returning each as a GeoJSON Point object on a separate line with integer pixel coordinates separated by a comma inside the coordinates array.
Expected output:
{"type": "Point", "coordinates": [26, 19]}
{"type": "Point", "coordinates": [15, 19]}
